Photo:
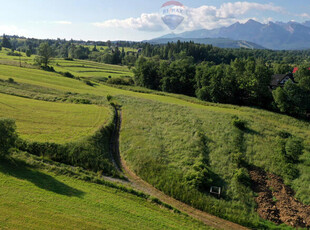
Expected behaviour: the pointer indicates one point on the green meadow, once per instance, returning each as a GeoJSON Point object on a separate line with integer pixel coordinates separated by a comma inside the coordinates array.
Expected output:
{"type": "Point", "coordinates": [52, 122]}
{"type": "Point", "coordinates": [32, 198]}
{"type": "Point", "coordinates": [165, 139]}
{"type": "Point", "coordinates": [88, 69]}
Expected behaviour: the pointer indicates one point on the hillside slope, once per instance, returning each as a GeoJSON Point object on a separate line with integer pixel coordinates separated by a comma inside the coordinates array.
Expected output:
{"type": "Point", "coordinates": [32, 198]}
{"type": "Point", "coordinates": [168, 140]}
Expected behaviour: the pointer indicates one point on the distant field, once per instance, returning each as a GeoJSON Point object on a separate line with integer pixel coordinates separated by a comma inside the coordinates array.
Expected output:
{"type": "Point", "coordinates": [81, 68]}
{"type": "Point", "coordinates": [14, 60]}
{"type": "Point", "coordinates": [52, 122]}
{"type": "Point", "coordinates": [36, 199]}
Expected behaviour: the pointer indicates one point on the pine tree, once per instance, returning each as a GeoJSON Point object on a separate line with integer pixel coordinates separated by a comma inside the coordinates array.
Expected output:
{"type": "Point", "coordinates": [6, 42]}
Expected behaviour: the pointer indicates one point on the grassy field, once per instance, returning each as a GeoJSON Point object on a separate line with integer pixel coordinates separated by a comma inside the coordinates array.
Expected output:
{"type": "Point", "coordinates": [79, 68]}
{"type": "Point", "coordinates": [37, 199]}
{"type": "Point", "coordinates": [52, 122]}
{"type": "Point", "coordinates": [88, 69]}
{"type": "Point", "coordinates": [165, 140]}
{"type": "Point", "coordinates": [165, 137]}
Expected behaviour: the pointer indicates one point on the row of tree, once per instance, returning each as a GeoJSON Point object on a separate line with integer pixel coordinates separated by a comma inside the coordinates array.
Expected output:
{"type": "Point", "coordinates": [242, 82]}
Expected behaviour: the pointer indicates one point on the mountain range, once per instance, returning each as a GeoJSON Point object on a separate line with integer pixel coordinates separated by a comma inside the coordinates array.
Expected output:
{"type": "Point", "coordinates": [272, 35]}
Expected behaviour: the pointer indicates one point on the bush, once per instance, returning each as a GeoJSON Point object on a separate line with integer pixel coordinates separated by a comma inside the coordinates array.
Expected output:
{"type": "Point", "coordinates": [48, 68]}
{"type": "Point", "coordinates": [120, 81]}
{"type": "Point", "coordinates": [242, 176]}
{"type": "Point", "coordinates": [109, 97]}
{"type": "Point", "coordinates": [238, 123]}
{"type": "Point", "coordinates": [8, 135]}
{"type": "Point", "coordinates": [28, 53]}
{"type": "Point", "coordinates": [239, 159]}
{"type": "Point", "coordinates": [11, 80]}
{"type": "Point", "coordinates": [284, 134]}
{"type": "Point", "coordinates": [67, 74]}
{"type": "Point", "coordinates": [294, 149]}
{"type": "Point", "coordinates": [12, 53]}
{"type": "Point", "coordinates": [69, 59]}
{"type": "Point", "coordinates": [79, 101]}
{"type": "Point", "coordinates": [91, 153]}
{"type": "Point", "coordinates": [87, 82]}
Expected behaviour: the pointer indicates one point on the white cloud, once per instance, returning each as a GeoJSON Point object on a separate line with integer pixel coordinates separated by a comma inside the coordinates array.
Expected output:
{"type": "Point", "coordinates": [146, 22]}
{"type": "Point", "coordinates": [207, 17]}
{"type": "Point", "coordinates": [11, 30]}
{"type": "Point", "coordinates": [62, 22]}
{"type": "Point", "coordinates": [304, 15]}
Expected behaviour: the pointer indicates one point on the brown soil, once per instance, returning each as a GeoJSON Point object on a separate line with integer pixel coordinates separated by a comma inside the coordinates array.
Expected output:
{"type": "Point", "coordinates": [276, 201]}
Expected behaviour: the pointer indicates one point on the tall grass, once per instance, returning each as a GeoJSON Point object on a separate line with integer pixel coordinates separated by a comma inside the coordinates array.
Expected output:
{"type": "Point", "coordinates": [163, 144]}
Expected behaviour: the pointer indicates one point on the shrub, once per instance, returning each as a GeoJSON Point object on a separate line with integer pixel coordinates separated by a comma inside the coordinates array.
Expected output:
{"type": "Point", "coordinates": [294, 149]}
{"type": "Point", "coordinates": [109, 97]}
{"type": "Point", "coordinates": [48, 68]}
{"type": "Point", "coordinates": [284, 134]}
{"type": "Point", "coordinates": [242, 176]}
{"type": "Point", "coordinates": [67, 74]}
{"type": "Point", "coordinates": [120, 81]}
{"type": "Point", "coordinates": [239, 159]}
{"type": "Point", "coordinates": [69, 59]}
{"type": "Point", "coordinates": [12, 53]}
{"type": "Point", "coordinates": [91, 153]}
{"type": "Point", "coordinates": [8, 135]}
{"type": "Point", "coordinates": [238, 123]}
{"type": "Point", "coordinates": [79, 101]}
{"type": "Point", "coordinates": [11, 80]}
{"type": "Point", "coordinates": [28, 53]}
{"type": "Point", "coordinates": [87, 82]}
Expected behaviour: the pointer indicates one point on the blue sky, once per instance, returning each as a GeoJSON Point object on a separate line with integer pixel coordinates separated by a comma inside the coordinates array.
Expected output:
{"type": "Point", "coordinates": [134, 19]}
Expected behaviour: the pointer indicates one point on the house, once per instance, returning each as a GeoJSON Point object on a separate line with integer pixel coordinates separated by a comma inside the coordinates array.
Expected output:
{"type": "Point", "coordinates": [279, 80]}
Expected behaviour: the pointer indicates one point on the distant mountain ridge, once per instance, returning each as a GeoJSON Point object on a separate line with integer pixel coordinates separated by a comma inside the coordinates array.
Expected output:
{"type": "Point", "coordinates": [272, 35]}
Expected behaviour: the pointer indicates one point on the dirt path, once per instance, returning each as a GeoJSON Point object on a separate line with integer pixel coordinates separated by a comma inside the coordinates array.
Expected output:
{"type": "Point", "coordinates": [276, 201]}
{"type": "Point", "coordinates": [143, 186]}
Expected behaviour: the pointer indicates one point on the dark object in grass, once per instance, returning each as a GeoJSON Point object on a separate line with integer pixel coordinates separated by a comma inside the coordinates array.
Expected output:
{"type": "Point", "coordinates": [120, 81]}
{"type": "Point", "coordinates": [67, 74]}
{"type": "Point", "coordinates": [11, 81]}
{"type": "Point", "coordinates": [48, 68]}
{"type": "Point", "coordinates": [238, 123]}
{"type": "Point", "coordinates": [87, 82]}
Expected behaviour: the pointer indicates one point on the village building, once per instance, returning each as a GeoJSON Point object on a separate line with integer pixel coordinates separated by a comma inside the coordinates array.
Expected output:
{"type": "Point", "coordinates": [279, 80]}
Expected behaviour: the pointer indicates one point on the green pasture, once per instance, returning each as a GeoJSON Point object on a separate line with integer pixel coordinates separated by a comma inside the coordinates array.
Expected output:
{"type": "Point", "coordinates": [52, 122]}
{"type": "Point", "coordinates": [161, 135]}
{"type": "Point", "coordinates": [32, 198]}
{"type": "Point", "coordinates": [89, 69]}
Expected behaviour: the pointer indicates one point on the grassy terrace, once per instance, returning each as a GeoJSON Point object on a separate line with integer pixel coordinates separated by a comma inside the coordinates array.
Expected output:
{"type": "Point", "coordinates": [52, 122]}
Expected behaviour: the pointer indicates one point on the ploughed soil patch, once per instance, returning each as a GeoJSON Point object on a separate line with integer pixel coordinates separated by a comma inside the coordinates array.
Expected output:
{"type": "Point", "coordinates": [276, 201]}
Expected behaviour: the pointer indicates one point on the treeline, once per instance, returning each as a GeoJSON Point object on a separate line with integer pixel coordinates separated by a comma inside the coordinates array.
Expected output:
{"type": "Point", "coordinates": [113, 54]}
{"type": "Point", "coordinates": [200, 53]}
{"type": "Point", "coordinates": [242, 82]}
